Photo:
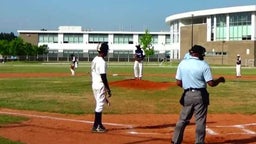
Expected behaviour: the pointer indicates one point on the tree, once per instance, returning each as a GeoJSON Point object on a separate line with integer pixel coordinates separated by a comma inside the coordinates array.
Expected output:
{"type": "Point", "coordinates": [4, 47]}
{"type": "Point", "coordinates": [7, 36]}
{"type": "Point", "coordinates": [16, 47]}
{"type": "Point", "coordinates": [146, 43]}
{"type": "Point", "coordinates": [43, 49]}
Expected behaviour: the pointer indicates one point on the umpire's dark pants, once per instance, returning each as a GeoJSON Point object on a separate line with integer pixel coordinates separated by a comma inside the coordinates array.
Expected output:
{"type": "Point", "coordinates": [193, 103]}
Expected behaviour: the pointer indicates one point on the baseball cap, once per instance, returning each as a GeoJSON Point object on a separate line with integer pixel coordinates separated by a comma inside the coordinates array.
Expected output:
{"type": "Point", "coordinates": [137, 46]}
{"type": "Point", "coordinates": [198, 49]}
{"type": "Point", "coordinates": [102, 47]}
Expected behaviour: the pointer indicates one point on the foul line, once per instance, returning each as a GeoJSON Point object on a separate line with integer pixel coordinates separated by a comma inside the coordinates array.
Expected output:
{"type": "Point", "coordinates": [242, 127]}
{"type": "Point", "coordinates": [63, 119]}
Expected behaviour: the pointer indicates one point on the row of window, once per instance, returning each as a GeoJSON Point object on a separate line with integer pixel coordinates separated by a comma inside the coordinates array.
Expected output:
{"type": "Point", "coordinates": [95, 38]}
{"type": "Point", "coordinates": [239, 26]}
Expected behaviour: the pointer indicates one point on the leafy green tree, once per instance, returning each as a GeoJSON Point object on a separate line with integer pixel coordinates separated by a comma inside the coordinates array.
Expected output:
{"type": "Point", "coordinates": [4, 47]}
{"type": "Point", "coordinates": [42, 50]}
{"type": "Point", "coordinates": [17, 47]}
{"type": "Point", "coordinates": [146, 43]}
{"type": "Point", "coordinates": [7, 36]}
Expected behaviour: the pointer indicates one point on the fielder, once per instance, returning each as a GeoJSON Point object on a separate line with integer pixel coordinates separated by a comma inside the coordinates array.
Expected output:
{"type": "Point", "coordinates": [138, 64]}
{"type": "Point", "coordinates": [72, 69]}
{"type": "Point", "coordinates": [238, 66]}
{"type": "Point", "coordinates": [100, 86]}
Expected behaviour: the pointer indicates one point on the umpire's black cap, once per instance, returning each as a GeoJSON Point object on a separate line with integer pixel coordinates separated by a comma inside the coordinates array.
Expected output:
{"type": "Point", "coordinates": [198, 49]}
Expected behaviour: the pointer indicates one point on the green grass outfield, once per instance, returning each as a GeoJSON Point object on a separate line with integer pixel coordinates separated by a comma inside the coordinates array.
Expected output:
{"type": "Point", "coordinates": [73, 95]}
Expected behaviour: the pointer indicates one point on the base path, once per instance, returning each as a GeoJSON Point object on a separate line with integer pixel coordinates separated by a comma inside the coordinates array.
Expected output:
{"type": "Point", "coordinates": [51, 128]}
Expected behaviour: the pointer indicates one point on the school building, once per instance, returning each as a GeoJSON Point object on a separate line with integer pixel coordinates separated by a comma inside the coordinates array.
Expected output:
{"type": "Point", "coordinates": [69, 40]}
{"type": "Point", "coordinates": [224, 32]}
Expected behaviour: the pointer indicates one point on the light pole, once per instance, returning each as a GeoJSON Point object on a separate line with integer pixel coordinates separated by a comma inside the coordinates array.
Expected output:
{"type": "Point", "coordinates": [222, 52]}
{"type": "Point", "coordinates": [192, 30]}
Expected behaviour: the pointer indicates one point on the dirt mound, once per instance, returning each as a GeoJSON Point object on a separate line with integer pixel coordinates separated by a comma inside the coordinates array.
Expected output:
{"type": "Point", "coordinates": [143, 84]}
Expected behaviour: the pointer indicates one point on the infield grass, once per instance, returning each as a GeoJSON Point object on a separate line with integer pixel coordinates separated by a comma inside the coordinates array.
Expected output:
{"type": "Point", "coordinates": [73, 95]}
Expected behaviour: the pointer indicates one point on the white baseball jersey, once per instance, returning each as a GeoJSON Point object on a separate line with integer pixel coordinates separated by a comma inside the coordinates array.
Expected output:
{"type": "Point", "coordinates": [98, 67]}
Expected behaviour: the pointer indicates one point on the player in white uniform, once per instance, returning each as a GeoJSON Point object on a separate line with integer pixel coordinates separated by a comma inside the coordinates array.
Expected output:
{"type": "Point", "coordinates": [74, 64]}
{"type": "Point", "coordinates": [138, 63]}
{"type": "Point", "coordinates": [100, 85]}
{"type": "Point", "coordinates": [238, 66]}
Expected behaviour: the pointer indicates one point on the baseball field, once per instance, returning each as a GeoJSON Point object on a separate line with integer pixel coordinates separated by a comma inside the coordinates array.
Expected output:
{"type": "Point", "coordinates": [42, 103]}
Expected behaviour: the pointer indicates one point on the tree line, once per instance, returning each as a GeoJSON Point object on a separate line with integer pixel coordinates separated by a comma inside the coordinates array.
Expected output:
{"type": "Point", "coordinates": [11, 45]}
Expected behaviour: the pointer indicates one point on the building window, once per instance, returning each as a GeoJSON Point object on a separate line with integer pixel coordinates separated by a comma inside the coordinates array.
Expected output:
{"type": "Point", "coordinates": [174, 30]}
{"type": "Point", "coordinates": [73, 38]}
{"type": "Point", "coordinates": [123, 39]}
{"type": "Point", "coordinates": [154, 39]}
{"type": "Point", "coordinates": [78, 53]}
{"type": "Point", "coordinates": [240, 26]}
{"type": "Point", "coordinates": [98, 38]}
{"type": "Point", "coordinates": [221, 25]}
{"type": "Point", "coordinates": [212, 28]}
{"type": "Point", "coordinates": [167, 39]}
{"type": "Point", "coordinates": [48, 38]}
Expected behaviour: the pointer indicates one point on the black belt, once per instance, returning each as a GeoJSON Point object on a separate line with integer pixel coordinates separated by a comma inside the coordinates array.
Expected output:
{"type": "Point", "coordinates": [195, 89]}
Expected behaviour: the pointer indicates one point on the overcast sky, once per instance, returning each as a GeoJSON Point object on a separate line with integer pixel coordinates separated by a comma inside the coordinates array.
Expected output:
{"type": "Point", "coordinates": [132, 15]}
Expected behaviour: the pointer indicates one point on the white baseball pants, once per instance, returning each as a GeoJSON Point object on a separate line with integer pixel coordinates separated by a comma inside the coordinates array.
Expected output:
{"type": "Point", "coordinates": [138, 69]}
{"type": "Point", "coordinates": [100, 98]}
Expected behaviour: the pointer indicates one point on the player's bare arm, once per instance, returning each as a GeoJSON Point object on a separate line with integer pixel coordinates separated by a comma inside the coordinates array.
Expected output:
{"type": "Point", "coordinates": [105, 82]}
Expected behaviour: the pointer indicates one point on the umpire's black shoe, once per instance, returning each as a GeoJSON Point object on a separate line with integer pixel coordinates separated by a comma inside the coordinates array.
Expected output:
{"type": "Point", "coordinates": [99, 129]}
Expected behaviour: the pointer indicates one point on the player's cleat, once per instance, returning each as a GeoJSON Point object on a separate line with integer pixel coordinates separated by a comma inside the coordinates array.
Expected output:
{"type": "Point", "coordinates": [99, 129]}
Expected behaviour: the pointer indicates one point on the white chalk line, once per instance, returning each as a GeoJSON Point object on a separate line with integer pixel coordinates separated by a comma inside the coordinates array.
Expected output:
{"type": "Point", "coordinates": [63, 119]}
{"type": "Point", "coordinates": [132, 131]}
{"type": "Point", "coordinates": [242, 127]}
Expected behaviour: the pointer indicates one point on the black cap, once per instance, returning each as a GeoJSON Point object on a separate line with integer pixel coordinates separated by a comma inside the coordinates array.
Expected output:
{"type": "Point", "coordinates": [137, 46]}
{"type": "Point", "coordinates": [198, 49]}
{"type": "Point", "coordinates": [103, 47]}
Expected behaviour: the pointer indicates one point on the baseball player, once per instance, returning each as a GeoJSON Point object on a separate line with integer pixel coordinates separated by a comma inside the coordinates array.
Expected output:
{"type": "Point", "coordinates": [72, 69]}
{"type": "Point", "coordinates": [193, 75]}
{"type": "Point", "coordinates": [238, 66]}
{"type": "Point", "coordinates": [138, 64]}
{"type": "Point", "coordinates": [100, 86]}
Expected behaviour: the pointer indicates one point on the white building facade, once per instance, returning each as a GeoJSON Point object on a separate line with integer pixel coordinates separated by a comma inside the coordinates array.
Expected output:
{"type": "Point", "coordinates": [74, 40]}
{"type": "Point", "coordinates": [216, 29]}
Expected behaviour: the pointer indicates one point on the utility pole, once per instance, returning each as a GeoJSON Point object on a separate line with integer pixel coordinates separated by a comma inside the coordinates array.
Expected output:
{"type": "Point", "coordinates": [192, 30]}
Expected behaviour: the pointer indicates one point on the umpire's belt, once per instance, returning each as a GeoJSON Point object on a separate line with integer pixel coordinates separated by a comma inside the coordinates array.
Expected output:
{"type": "Point", "coordinates": [195, 89]}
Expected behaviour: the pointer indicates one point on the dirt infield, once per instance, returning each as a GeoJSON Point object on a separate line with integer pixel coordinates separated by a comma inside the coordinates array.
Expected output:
{"type": "Point", "coordinates": [52, 128]}
{"type": "Point", "coordinates": [49, 128]}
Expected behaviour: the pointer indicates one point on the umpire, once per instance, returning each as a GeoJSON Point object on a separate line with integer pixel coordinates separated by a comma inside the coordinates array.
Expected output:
{"type": "Point", "coordinates": [193, 75]}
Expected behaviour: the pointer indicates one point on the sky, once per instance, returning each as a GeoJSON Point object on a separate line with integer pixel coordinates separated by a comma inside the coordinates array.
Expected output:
{"type": "Point", "coordinates": [100, 15]}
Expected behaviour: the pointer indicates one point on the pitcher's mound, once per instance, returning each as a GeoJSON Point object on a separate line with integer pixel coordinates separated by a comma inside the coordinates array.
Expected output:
{"type": "Point", "coordinates": [143, 84]}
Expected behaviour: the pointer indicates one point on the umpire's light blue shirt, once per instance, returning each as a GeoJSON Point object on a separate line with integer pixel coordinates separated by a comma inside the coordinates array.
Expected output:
{"type": "Point", "coordinates": [193, 73]}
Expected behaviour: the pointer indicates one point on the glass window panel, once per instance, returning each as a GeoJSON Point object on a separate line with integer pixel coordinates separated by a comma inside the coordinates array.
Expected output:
{"type": "Point", "coordinates": [80, 40]}
{"type": "Point", "coordinates": [50, 39]}
{"type": "Point", "coordinates": [55, 39]}
{"type": "Point", "coordinates": [41, 38]}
